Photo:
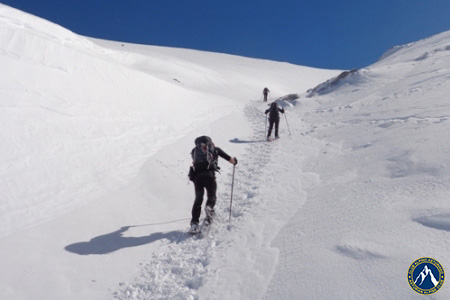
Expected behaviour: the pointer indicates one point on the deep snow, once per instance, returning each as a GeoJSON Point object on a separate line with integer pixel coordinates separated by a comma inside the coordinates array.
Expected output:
{"type": "Point", "coordinates": [96, 137]}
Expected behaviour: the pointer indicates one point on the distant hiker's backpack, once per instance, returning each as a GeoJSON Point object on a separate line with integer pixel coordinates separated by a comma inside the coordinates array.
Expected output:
{"type": "Point", "coordinates": [203, 157]}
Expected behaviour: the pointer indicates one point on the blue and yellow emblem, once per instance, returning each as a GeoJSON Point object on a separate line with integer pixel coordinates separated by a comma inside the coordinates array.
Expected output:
{"type": "Point", "coordinates": [426, 276]}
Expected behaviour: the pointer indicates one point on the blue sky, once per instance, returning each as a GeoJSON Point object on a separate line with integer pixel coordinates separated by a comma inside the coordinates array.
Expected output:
{"type": "Point", "coordinates": [330, 34]}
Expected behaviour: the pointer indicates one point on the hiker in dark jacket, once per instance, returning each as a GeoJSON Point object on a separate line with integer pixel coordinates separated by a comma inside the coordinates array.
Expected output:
{"type": "Point", "coordinates": [265, 93]}
{"type": "Point", "coordinates": [204, 177]}
{"type": "Point", "coordinates": [274, 118]}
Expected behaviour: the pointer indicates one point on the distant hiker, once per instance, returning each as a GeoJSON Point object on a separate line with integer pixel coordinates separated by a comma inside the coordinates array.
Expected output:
{"type": "Point", "coordinates": [265, 93]}
{"type": "Point", "coordinates": [203, 173]}
{"type": "Point", "coordinates": [274, 118]}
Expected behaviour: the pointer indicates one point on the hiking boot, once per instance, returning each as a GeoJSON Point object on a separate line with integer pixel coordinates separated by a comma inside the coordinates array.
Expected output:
{"type": "Point", "coordinates": [194, 228]}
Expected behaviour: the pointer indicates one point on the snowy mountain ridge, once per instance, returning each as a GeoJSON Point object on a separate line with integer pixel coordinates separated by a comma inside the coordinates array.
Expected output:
{"type": "Point", "coordinates": [406, 54]}
{"type": "Point", "coordinates": [95, 202]}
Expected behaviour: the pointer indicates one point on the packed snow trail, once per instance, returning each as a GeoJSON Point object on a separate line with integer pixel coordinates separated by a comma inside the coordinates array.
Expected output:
{"type": "Point", "coordinates": [187, 267]}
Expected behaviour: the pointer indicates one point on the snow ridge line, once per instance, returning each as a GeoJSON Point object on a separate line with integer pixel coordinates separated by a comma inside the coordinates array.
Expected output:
{"type": "Point", "coordinates": [181, 268]}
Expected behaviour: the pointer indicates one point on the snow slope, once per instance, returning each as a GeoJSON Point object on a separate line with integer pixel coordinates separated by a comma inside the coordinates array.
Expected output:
{"type": "Point", "coordinates": [380, 198]}
{"type": "Point", "coordinates": [96, 140]}
{"type": "Point", "coordinates": [95, 146]}
{"type": "Point", "coordinates": [70, 95]}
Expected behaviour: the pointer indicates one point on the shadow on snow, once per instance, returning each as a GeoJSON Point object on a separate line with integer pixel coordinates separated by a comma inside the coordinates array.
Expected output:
{"type": "Point", "coordinates": [238, 141]}
{"type": "Point", "coordinates": [114, 241]}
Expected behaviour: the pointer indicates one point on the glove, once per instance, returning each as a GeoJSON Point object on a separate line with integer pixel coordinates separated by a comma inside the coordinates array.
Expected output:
{"type": "Point", "coordinates": [191, 174]}
{"type": "Point", "coordinates": [235, 161]}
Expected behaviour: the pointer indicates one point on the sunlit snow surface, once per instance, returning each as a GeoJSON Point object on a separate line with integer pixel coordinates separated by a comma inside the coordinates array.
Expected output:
{"type": "Point", "coordinates": [95, 149]}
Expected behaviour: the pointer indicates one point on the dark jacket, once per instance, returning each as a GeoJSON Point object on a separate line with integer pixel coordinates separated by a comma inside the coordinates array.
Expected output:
{"type": "Point", "coordinates": [274, 111]}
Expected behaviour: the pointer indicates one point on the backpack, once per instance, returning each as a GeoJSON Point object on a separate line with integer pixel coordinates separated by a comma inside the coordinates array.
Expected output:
{"type": "Point", "coordinates": [203, 155]}
{"type": "Point", "coordinates": [273, 110]}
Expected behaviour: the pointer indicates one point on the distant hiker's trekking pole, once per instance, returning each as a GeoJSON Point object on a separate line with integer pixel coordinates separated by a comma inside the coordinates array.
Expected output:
{"type": "Point", "coordinates": [232, 186]}
{"type": "Point", "coordinates": [287, 124]}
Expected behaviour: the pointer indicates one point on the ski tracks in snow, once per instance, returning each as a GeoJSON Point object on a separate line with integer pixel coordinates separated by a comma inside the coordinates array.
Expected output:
{"type": "Point", "coordinates": [189, 268]}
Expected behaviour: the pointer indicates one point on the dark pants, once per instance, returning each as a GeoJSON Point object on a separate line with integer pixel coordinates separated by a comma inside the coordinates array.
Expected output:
{"type": "Point", "coordinates": [271, 122]}
{"type": "Point", "coordinates": [202, 182]}
{"type": "Point", "coordinates": [265, 96]}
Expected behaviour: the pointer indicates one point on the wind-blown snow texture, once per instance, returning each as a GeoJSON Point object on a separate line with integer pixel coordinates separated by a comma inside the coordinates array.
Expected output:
{"type": "Point", "coordinates": [95, 149]}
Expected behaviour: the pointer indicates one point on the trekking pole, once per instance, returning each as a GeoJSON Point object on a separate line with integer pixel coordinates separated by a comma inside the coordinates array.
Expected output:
{"type": "Point", "coordinates": [287, 123]}
{"type": "Point", "coordinates": [232, 186]}
{"type": "Point", "coordinates": [265, 129]}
